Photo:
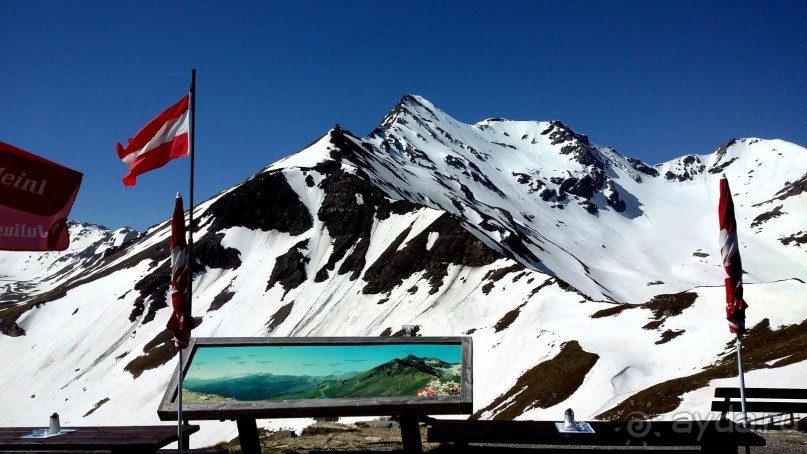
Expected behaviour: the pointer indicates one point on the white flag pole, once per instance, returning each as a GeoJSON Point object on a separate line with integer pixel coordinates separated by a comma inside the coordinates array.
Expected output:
{"type": "Point", "coordinates": [179, 405]}
{"type": "Point", "coordinates": [744, 421]}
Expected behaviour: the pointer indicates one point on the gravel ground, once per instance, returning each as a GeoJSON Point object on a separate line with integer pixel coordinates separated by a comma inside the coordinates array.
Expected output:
{"type": "Point", "coordinates": [385, 436]}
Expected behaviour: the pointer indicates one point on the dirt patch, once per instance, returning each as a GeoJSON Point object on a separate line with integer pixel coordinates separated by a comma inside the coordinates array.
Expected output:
{"type": "Point", "coordinates": [370, 435]}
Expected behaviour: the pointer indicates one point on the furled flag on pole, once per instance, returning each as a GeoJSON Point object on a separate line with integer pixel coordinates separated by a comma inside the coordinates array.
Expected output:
{"type": "Point", "coordinates": [164, 138]}
{"type": "Point", "coordinates": [729, 249]}
{"type": "Point", "coordinates": [36, 196]}
{"type": "Point", "coordinates": [181, 322]}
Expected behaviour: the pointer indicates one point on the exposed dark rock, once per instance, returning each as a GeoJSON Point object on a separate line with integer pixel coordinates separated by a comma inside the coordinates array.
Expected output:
{"type": "Point", "coordinates": [670, 305]}
{"type": "Point", "coordinates": [669, 335]}
{"type": "Point", "coordinates": [289, 269]}
{"type": "Point", "coordinates": [348, 211]}
{"type": "Point", "coordinates": [384, 210]}
{"type": "Point", "coordinates": [655, 324]}
{"type": "Point", "coordinates": [467, 193]}
{"type": "Point", "coordinates": [565, 286]}
{"type": "Point", "coordinates": [153, 289]}
{"type": "Point", "coordinates": [328, 167]}
{"type": "Point", "coordinates": [793, 189]}
{"type": "Point", "coordinates": [548, 194]}
{"type": "Point", "coordinates": [264, 202]}
{"type": "Point", "coordinates": [583, 187]}
{"type": "Point", "coordinates": [157, 352]}
{"type": "Point", "coordinates": [765, 217]}
{"type": "Point", "coordinates": [455, 162]}
{"type": "Point", "coordinates": [720, 165]}
{"type": "Point", "coordinates": [797, 239]}
{"type": "Point", "coordinates": [507, 320]}
{"type": "Point", "coordinates": [487, 288]}
{"type": "Point", "coordinates": [614, 200]}
{"type": "Point", "coordinates": [591, 208]}
{"type": "Point", "coordinates": [560, 133]}
{"type": "Point", "coordinates": [279, 317]}
{"type": "Point", "coordinates": [499, 274]}
{"type": "Point", "coordinates": [642, 167]}
{"type": "Point", "coordinates": [209, 252]}
{"type": "Point", "coordinates": [454, 245]}
{"type": "Point", "coordinates": [687, 169]}
{"type": "Point", "coordinates": [505, 145]}
{"type": "Point", "coordinates": [96, 406]}
{"type": "Point", "coordinates": [615, 310]}
{"type": "Point", "coordinates": [522, 178]}
{"type": "Point", "coordinates": [222, 298]}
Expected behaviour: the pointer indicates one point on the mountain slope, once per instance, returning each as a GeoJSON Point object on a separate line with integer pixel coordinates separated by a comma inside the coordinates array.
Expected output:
{"type": "Point", "coordinates": [553, 253]}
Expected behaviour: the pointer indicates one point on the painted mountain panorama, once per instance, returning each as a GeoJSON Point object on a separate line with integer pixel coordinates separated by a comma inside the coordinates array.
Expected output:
{"type": "Point", "coordinates": [273, 372]}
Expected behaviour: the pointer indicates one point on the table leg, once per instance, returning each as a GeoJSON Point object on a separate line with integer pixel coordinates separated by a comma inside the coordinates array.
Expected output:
{"type": "Point", "coordinates": [410, 434]}
{"type": "Point", "coordinates": [248, 436]}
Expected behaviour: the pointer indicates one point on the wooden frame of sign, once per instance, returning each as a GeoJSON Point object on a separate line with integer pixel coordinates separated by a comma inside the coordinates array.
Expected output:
{"type": "Point", "coordinates": [236, 358]}
{"type": "Point", "coordinates": [246, 378]}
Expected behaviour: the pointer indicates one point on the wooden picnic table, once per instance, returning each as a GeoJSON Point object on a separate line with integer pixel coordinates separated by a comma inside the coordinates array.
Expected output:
{"type": "Point", "coordinates": [102, 439]}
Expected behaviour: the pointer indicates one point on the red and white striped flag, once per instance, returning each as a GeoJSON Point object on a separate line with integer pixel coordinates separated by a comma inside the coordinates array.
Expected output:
{"type": "Point", "coordinates": [729, 249]}
{"type": "Point", "coordinates": [181, 322]}
{"type": "Point", "coordinates": [164, 138]}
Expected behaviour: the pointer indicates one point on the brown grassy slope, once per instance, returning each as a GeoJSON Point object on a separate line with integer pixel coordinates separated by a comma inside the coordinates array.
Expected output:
{"type": "Point", "coordinates": [763, 348]}
{"type": "Point", "coordinates": [546, 384]}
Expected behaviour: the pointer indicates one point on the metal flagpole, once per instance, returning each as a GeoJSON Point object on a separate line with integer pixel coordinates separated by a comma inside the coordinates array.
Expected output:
{"type": "Point", "coordinates": [744, 421]}
{"type": "Point", "coordinates": [179, 403]}
{"type": "Point", "coordinates": [190, 252]}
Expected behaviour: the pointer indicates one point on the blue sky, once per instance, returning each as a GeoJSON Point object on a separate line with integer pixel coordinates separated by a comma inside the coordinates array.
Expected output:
{"type": "Point", "coordinates": [654, 79]}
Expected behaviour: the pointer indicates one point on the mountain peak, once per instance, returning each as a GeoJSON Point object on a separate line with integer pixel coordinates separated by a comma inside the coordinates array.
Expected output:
{"type": "Point", "coordinates": [409, 106]}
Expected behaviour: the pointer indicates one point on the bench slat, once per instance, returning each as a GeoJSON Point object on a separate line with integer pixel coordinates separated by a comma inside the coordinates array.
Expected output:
{"type": "Point", "coordinates": [760, 407]}
{"type": "Point", "coordinates": [762, 393]}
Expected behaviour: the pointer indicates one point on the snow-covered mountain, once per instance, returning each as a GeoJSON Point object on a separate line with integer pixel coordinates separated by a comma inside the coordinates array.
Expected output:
{"type": "Point", "coordinates": [587, 279]}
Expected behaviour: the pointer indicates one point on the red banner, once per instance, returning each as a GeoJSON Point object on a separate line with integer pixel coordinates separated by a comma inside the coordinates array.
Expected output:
{"type": "Point", "coordinates": [36, 195]}
{"type": "Point", "coordinates": [732, 264]}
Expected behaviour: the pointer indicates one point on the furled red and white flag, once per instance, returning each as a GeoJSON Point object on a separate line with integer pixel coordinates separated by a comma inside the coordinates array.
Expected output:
{"type": "Point", "coordinates": [164, 138]}
{"type": "Point", "coordinates": [36, 196]}
{"type": "Point", "coordinates": [181, 322]}
{"type": "Point", "coordinates": [729, 249]}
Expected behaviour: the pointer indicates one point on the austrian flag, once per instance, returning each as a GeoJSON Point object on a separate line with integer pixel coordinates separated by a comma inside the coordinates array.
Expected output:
{"type": "Point", "coordinates": [164, 138]}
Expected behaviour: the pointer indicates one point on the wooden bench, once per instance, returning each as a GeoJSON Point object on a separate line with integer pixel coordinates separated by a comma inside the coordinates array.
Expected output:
{"type": "Point", "coordinates": [94, 439]}
{"type": "Point", "coordinates": [245, 379]}
{"type": "Point", "coordinates": [773, 403]}
{"type": "Point", "coordinates": [709, 436]}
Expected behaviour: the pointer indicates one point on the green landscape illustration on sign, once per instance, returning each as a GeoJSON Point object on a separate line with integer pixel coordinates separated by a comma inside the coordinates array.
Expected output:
{"type": "Point", "coordinates": [283, 372]}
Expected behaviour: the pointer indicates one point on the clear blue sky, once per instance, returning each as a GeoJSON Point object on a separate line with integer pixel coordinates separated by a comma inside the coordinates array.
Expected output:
{"type": "Point", "coordinates": [654, 79]}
